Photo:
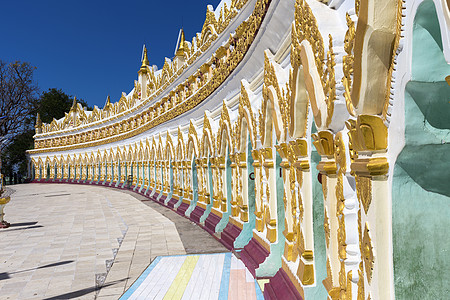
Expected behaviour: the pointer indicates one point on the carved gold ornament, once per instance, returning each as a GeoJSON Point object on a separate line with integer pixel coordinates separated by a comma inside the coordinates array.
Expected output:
{"type": "Point", "coordinates": [394, 53]}
{"type": "Point", "coordinates": [340, 205]}
{"type": "Point", "coordinates": [342, 282]}
{"type": "Point", "coordinates": [340, 152]}
{"type": "Point", "coordinates": [244, 103]}
{"type": "Point", "coordinates": [342, 238]}
{"type": "Point", "coordinates": [326, 227]}
{"type": "Point", "coordinates": [305, 27]}
{"type": "Point", "coordinates": [361, 294]}
{"type": "Point", "coordinates": [325, 187]}
{"type": "Point", "coordinates": [364, 191]}
{"type": "Point", "coordinates": [347, 63]}
{"type": "Point", "coordinates": [329, 81]}
{"type": "Point", "coordinates": [367, 253]}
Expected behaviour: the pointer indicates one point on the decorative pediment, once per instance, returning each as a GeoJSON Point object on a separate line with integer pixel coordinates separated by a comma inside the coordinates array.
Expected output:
{"type": "Point", "coordinates": [192, 130]}
{"type": "Point", "coordinates": [140, 155]}
{"type": "Point", "coordinates": [224, 128]}
{"type": "Point", "coordinates": [245, 111]}
{"type": "Point", "coordinates": [123, 103]}
{"type": "Point", "coordinates": [207, 134]}
{"type": "Point", "coordinates": [305, 28]}
{"type": "Point", "coordinates": [169, 145]}
{"type": "Point", "coordinates": [209, 25]}
{"type": "Point", "coordinates": [54, 126]}
{"type": "Point", "coordinates": [192, 139]}
{"type": "Point", "coordinates": [180, 145]}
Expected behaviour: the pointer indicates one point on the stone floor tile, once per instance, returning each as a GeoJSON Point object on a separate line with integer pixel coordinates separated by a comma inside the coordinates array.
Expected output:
{"type": "Point", "coordinates": [80, 229]}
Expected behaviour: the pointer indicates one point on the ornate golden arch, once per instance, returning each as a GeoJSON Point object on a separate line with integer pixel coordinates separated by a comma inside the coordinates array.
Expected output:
{"type": "Point", "coordinates": [192, 143]}
{"type": "Point", "coordinates": [169, 147]}
{"type": "Point", "coordinates": [224, 132]}
{"type": "Point", "coordinates": [271, 116]}
{"type": "Point", "coordinates": [207, 137]}
{"type": "Point", "coordinates": [245, 113]}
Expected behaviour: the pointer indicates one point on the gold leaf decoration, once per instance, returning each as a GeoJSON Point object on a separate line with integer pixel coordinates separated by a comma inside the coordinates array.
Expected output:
{"type": "Point", "coordinates": [361, 295]}
{"type": "Point", "coordinates": [329, 81]}
{"type": "Point", "coordinates": [367, 252]}
{"type": "Point", "coordinates": [347, 63]}
{"type": "Point", "coordinates": [326, 227]}
{"type": "Point", "coordinates": [364, 191]}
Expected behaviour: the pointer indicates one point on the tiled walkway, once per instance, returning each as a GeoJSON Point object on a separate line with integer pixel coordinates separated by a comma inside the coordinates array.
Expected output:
{"type": "Point", "coordinates": [66, 241]}
{"type": "Point", "coordinates": [206, 276]}
{"type": "Point", "coordinates": [64, 238]}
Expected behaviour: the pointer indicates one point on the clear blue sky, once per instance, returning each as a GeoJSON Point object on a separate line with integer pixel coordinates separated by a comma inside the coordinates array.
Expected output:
{"type": "Point", "coordinates": [90, 49]}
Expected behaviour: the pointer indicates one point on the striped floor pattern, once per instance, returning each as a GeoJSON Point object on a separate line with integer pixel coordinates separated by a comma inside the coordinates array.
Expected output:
{"type": "Point", "coordinates": [203, 276]}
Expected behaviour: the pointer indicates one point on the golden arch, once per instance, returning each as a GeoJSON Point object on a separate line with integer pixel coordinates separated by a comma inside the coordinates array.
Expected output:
{"type": "Point", "coordinates": [271, 118]}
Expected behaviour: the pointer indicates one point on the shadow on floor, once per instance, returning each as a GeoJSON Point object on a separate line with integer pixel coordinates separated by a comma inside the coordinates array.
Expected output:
{"type": "Point", "coordinates": [82, 292]}
{"type": "Point", "coordinates": [29, 227]}
{"type": "Point", "coordinates": [6, 275]}
{"type": "Point", "coordinates": [23, 224]}
{"type": "Point", "coordinates": [194, 238]}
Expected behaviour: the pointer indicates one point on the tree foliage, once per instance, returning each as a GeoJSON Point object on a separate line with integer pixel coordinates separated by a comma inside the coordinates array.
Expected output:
{"type": "Point", "coordinates": [19, 103]}
{"type": "Point", "coordinates": [15, 152]}
{"type": "Point", "coordinates": [55, 103]}
{"type": "Point", "coordinates": [18, 96]}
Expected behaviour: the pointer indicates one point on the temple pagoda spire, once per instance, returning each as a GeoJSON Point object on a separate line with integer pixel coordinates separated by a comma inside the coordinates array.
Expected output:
{"type": "Point", "coordinates": [145, 62]}
{"type": "Point", "coordinates": [181, 47]}
{"type": "Point", "coordinates": [74, 104]}
{"type": "Point", "coordinates": [143, 74]}
{"type": "Point", "coordinates": [108, 101]}
{"type": "Point", "coordinates": [38, 126]}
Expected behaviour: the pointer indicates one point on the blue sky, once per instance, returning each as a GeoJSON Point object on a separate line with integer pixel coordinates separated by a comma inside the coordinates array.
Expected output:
{"type": "Point", "coordinates": [91, 49]}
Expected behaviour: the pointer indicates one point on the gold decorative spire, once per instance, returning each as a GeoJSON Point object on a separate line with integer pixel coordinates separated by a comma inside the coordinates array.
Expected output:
{"type": "Point", "coordinates": [181, 48]}
{"type": "Point", "coordinates": [38, 126]}
{"type": "Point", "coordinates": [108, 103]}
{"type": "Point", "coordinates": [38, 121]}
{"type": "Point", "coordinates": [74, 104]}
{"type": "Point", "coordinates": [145, 62]}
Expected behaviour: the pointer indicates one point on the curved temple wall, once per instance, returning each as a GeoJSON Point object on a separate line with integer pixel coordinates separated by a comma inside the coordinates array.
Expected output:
{"type": "Point", "coordinates": [287, 147]}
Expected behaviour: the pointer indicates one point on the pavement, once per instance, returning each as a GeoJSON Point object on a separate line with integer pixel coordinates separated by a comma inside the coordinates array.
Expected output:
{"type": "Point", "coordinates": [213, 276]}
{"type": "Point", "coordinates": [87, 242]}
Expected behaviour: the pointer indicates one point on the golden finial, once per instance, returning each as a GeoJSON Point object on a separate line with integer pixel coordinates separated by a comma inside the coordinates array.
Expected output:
{"type": "Point", "coordinates": [38, 126]}
{"type": "Point", "coordinates": [181, 48]}
{"type": "Point", "coordinates": [108, 103]}
{"type": "Point", "coordinates": [38, 121]}
{"type": "Point", "coordinates": [74, 104]}
{"type": "Point", "coordinates": [145, 61]}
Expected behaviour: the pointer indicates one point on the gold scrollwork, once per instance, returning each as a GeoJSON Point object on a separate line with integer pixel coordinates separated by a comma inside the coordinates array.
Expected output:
{"type": "Point", "coordinates": [326, 227]}
{"type": "Point", "coordinates": [364, 191]}
{"type": "Point", "coordinates": [367, 253]}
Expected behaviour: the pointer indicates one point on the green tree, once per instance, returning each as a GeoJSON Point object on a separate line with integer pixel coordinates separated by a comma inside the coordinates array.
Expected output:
{"type": "Point", "coordinates": [15, 153]}
{"type": "Point", "coordinates": [51, 104]}
{"type": "Point", "coordinates": [55, 103]}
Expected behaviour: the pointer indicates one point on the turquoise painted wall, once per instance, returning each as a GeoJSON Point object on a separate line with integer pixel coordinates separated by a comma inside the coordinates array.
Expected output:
{"type": "Point", "coordinates": [247, 232]}
{"type": "Point", "coordinates": [273, 262]}
{"type": "Point", "coordinates": [226, 215]}
{"type": "Point", "coordinates": [318, 291]}
{"type": "Point", "coordinates": [421, 184]}
{"type": "Point", "coordinates": [211, 189]}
